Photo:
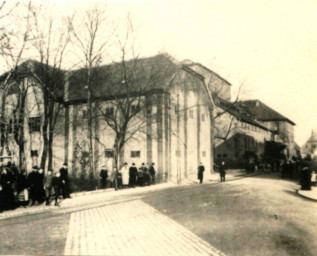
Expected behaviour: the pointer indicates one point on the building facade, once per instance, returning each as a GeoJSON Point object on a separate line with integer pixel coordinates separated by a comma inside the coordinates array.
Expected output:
{"type": "Point", "coordinates": [171, 127]}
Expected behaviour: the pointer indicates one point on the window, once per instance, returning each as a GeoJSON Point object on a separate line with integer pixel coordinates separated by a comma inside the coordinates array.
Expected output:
{"type": "Point", "coordinates": [109, 153]}
{"type": "Point", "coordinates": [225, 155]}
{"type": "Point", "coordinates": [135, 108]}
{"type": "Point", "coordinates": [191, 113]}
{"type": "Point", "coordinates": [34, 153]}
{"type": "Point", "coordinates": [109, 111]}
{"type": "Point", "coordinates": [203, 117]}
{"type": "Point", "coordinates": [135, 154]}
{"type": "Point", "coordinates": [204, 153]}
{"type": "Point", "coordinates": [35, 124]}
{"type": "Point", "coordinates": [84, 113]}
{"type": "Point", "coordinates": [218, 155]}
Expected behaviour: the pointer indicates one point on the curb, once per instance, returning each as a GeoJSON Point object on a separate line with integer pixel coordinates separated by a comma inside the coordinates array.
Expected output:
{"type": "Point", "coordinates": [298, 191]}
{"type": "Point", "coordinates": [43, 208]}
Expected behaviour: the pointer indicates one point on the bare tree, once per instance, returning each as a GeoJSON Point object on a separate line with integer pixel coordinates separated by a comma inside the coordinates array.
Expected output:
{"type": "Point", "coordinates": [13, 46]}
{"type": "Point", "coordinates": [91, 41]}
{"type": "Point", "coordinates": [51, 39]}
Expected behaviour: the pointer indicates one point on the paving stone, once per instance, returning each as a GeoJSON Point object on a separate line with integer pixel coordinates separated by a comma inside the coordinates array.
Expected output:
{"type": "Point", "coordinates": [131, 228]}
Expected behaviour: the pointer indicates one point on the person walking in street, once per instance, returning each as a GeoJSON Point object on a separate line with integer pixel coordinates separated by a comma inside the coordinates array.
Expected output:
{"type": "Point", "coordinates": [133, 173]}
{"type": "Point", "coordinates": [152, 173]}
{"type": "Point", "coordinates": [222, 172]}
{"type": "Point", "coordinates": [22, 191]}
{"type": "Point", "coordinates": [103, 177]}
{"type": "Point", "coordinates": [57, 185]}
{"type": "Point", "coordinates": [48, 186]}
{"type": "Point", "coordinates": [201, 170]}
{"type": "Point", "coordinates": [125, 175]}
{"type": "Point", "coordinates": [65, 181]}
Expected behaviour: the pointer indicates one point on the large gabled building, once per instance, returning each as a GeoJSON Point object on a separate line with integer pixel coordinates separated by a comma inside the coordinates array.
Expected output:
{"type": "Point", "coordinates": [174, 131]}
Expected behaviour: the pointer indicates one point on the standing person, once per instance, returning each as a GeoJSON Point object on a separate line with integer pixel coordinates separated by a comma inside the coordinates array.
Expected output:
{"type": "Point", "coordinates": [48, 186]}
{"type": "Point", "coordinates": [57, 185]}
{"type": "Point", "coordinates": [222, 171]}
{"type": "Point", "coordinates": [152, 173]}
{"type": "Point", "coordinates": [142, 175]}
{"type": "Point", "coordinates": [201, 170]}
{"type": "Point", "coordinates": [125, 175]}
{"type": "Point", "coordinates": [30, 183]}
{"type": "Point", "coordinates": [305, 178]}
{"type": "Point", "coordinates": [35, 185]}
{"type": "Point", "coordinates": [38, 186]}
{"type": "Point", "coordinates": [41, 188]}
{"type": "Point", "coordinates": [133, 173]}
{"type": "Point", "coordinates": [65, 181]}
{"type": "Point", "coordinates": [103, 177]}
{"type": "Point", "coordinates": [114, 178]}
{"type": "Point", "coordinates": [6, 183]}
{"type": "Point", "coordinates": [22, 191]}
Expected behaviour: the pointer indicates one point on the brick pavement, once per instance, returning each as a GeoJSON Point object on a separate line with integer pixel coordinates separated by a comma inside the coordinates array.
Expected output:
{"type": "Point", "coordinates": [131, 228]}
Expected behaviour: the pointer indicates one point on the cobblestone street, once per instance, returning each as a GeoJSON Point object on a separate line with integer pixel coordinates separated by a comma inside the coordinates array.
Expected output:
{"type": "Point", "coordinates": [132, 228]}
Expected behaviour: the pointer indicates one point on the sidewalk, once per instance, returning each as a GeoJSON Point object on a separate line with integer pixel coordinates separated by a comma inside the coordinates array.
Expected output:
{"type": "Point", "coordinates": [310, 194]}
{"type": "Point", "coordinates": [84, 198]}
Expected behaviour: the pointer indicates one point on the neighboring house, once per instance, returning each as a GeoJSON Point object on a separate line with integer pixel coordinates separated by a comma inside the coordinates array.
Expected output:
{"type": "Point", "coordinates": [238, 137]}
{"type": "Point", "coordinates": [281, 126]}
{"type": "Point", "coordinates": [241, 139]}
{"type": "Point", "coordinates": [173, 128]}
{"type": "Point", "coordinates": [310, 146]}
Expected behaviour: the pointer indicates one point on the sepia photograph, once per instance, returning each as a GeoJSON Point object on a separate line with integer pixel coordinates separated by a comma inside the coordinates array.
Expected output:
{"type": "Point", "coordinates": [158, 127]}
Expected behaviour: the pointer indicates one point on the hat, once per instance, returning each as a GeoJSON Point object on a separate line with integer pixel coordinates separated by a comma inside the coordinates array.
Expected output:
{"type": "Point", "coordinates": [35, 167]}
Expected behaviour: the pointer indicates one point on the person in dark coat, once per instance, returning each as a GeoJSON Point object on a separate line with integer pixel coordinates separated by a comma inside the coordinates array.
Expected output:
{"type": "Point", "coordinates": [48, 186]}
{"type": "Point", "coordinates": [201, 170]}
{"type": "Point", "coordinates": [65, 181]}
{"type": "Point", "coordinates": [22, 186]}
{"type": "Point", "coordinates": [103, 177]}
{"type": "Point", "coordinates": [35, 183]}
{"type": "Point", "coordinates": [152, 173]}
{"type": "Point", "coordinates": [30, 183]}
{"type": "Point", "coordinates": [41, 187]}
{"type": "Point", "coordinates": [57, 185]}
{"type": "Point", "coordinates": [6, 182]}
{"type": "Point", "coordinates": [305, 178]}
{"type": "Point", "coordinates": [222, 172]}
{"type": "Point", "coordinates": [133, 173]}
{"type": "Point", "coordinates": [142, 175]}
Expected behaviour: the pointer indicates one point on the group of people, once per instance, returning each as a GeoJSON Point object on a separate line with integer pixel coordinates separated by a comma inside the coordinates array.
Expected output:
{"type": "Point", "coordinates": [128, 176]}
{"type": "Point", "coordinates": [220, 168]}
{"type": "Point", "coordinates": [17, 188]}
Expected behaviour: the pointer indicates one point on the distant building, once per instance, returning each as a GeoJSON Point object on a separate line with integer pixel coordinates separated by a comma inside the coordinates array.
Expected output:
{"type": "Point", "coordinates": [310, 146]}
{"type": "Point", "coordinates": [281, 126]}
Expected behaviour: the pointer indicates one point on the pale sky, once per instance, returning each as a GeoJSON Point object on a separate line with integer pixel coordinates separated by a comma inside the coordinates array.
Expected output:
{"type": "Point", "coordinates": [269, 46]}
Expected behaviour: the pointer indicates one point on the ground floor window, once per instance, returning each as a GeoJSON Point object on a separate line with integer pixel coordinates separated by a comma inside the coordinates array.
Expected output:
{"type": "Point", "coordinates": [135, 154]}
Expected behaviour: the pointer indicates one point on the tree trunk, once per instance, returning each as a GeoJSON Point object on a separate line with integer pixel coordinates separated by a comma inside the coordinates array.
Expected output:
{"type": "Point", "coordinates": [45, 134]}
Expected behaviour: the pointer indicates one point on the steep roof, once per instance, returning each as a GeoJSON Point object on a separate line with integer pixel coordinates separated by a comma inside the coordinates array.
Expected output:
{"type": "Point", "coordinates": [190, 64]}
{"type": "Point", "coordinates": [134, 77]}
{"type": "Point", "coordinates": [262, 112]}
{"type": "Point", "coordinates": [237, 111]}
